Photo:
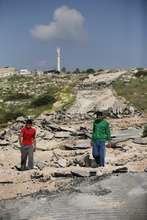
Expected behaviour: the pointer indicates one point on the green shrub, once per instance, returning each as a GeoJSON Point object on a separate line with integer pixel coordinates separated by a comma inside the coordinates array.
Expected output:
{"type": "Point", "coordinates": [17, 96]}
{"type": "Point", "coordinates": [134, 91]}
{"type": "Point", "coordinates": [90, 70]}
{"type": "Point", "coordinates": [9, 116]}
{"type": "Point", "coordinates": [16, 78]}
{"type": "Point", "coordinates": [141, 73]}
{"type": "Point", "coordinates": [144, 131]}
{"type": "Point", "coordinates": [43, 100]}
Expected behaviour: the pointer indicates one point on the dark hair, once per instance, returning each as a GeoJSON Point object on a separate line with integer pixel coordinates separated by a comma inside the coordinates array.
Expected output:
{"type": "Point", "coordinates": [98, 113]}
{"type": "Point", "coordinates": [29, 121]}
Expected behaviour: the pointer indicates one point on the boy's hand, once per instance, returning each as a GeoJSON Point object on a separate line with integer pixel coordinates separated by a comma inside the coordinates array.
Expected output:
{"type": "Point", "coordinates": [91, 143]}
{"type": "Point", "coordinates": [109, 145]}
{"type": "Point", "coordinates": [34, 148]}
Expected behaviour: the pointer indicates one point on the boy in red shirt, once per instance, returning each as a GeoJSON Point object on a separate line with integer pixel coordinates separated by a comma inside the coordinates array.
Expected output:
{"type": "Point", "coordinates": [27, 141]}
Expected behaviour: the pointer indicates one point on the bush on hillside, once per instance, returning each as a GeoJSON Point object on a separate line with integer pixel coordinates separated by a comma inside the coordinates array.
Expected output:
{"type": "Point", "coordinates": [90, 70]}
{"type": "Point", "coordinates": [141, 73]}
{"type": "Point", "coordinates": [144, 131]}
{"type": "Point", "coordinates": [9, 116]}
{"type": "Point", "coordinates": [43, 100]}
{"type": "Point", "coordinates": [17, 96]}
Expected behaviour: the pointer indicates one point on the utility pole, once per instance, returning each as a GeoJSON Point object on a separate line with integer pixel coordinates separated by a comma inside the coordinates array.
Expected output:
{"type": "Point", "coordinates": [58, 59]}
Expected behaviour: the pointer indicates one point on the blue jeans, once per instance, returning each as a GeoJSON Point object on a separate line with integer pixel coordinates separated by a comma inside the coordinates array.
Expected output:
{"type": "Point", "coordinates": [98, 152]}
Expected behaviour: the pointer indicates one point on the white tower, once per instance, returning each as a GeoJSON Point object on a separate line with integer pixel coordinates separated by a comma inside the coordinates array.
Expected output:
{"type": "Point", "coordinates": [58, 59]}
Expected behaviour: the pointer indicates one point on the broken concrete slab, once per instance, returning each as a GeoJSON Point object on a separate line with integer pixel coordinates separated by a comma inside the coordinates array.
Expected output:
{"type": "Point", "coordinates": [2, 134]}
{"type": "Point", "coordinates": [83, 161]}
{"type": "Point", "coordinates": [20, 119]}
{"type": "Point", "coordinates": [66, 128]}
{"type": "Point", "coordinates": [4, 143]}
{"type": "Point", "coordinates": [120, 170]}
{"type": "Point", "coordinates": [62, 134]}
{"type": "Point", "coordinates": [50, 125]}
{"type": "Point", "coordinates": [36, 175]}
{"type": "Point", "coordinates": [127, 133]}
{"type": "Point", "coordinates": [61, 173]}
{"type": "Point", "coordinates": [93, 163]}
{"type": "Point", "coordinates": [84, 145]}
{"type": "Point", "coordinates": [120, 163]}
{"type": "Point", "coordinates": [83, 173]}
{"type": "Point", "coordinates": [124, 135]}
{"type": "Point", "coordinates": [62, 163]}
{"type": "Point", "coordinates": [46, 135]}
{"type": "Point", "coordinates": [142, 141]}
{"type": "Point", "coordinates": [6, 182]}
{"type": "Point", "coordinates": [115, 144]}
{"type": "Point", "coordinates": [40, 164]}
{"type": "Point", "coordinates": [43, 145]}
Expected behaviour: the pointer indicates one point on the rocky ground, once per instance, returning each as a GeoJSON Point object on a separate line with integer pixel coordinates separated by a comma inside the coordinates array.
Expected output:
{"type": "Point", "coordinates": [63, 141]}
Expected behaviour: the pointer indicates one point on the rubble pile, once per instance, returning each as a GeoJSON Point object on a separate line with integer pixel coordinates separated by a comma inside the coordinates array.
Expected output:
{"type": "Point", "coordinates": [63, 141]}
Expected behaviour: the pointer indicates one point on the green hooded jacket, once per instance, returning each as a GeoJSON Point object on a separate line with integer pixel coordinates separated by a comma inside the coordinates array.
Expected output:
{"type": "Point", "coordinates": [101, 130]}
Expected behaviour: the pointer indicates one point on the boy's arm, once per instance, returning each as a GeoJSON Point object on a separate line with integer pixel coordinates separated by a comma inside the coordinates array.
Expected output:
{"type": "Point", "coordinates": [93, 130]}
{"type": "Point", "coordinates": [20, 137]}
{"type": "Point", "coordinates": [108, 132]}
{"type": "Point", "coordinates": [34, 141]}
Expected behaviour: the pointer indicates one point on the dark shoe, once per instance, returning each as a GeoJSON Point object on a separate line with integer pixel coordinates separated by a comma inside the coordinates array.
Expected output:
{"type": "Point", "coordinates": [19, 168]}
{"type": "Point", "coordinates": [94, 164]}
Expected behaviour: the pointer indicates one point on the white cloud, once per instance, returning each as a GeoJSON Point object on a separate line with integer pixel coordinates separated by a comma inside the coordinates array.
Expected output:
{"type": "Point", "coordinates": [67, 23]}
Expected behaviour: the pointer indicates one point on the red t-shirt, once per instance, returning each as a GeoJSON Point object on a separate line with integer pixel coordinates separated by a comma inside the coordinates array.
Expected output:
{"type": "Point", "coordinates": [28, 135]}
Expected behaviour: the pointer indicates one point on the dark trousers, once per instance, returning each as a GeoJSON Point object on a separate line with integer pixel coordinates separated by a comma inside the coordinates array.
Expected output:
{"type": "Point", "coordinates": [27, 153]}
{"type": "Point", "coordinates": [98, 152]}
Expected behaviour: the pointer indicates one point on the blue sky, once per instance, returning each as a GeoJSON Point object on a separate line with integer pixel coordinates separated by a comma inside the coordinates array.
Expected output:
{"type": "Point", "coordinates": [91, 33]}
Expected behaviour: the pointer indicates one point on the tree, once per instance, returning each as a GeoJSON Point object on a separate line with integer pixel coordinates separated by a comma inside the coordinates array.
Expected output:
{"type": "Point", "coordinates": [90, 70]}
{"type": "Point", "coordinates": [77, 70]}
{"type": "Point", "coordinates": [63, 70]}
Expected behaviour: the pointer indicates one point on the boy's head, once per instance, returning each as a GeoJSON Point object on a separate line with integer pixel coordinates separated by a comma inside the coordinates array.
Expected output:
{"type": "Point", "coordinates": [29, 123]}
{"type": "Point", "coordinates": [99, 115]}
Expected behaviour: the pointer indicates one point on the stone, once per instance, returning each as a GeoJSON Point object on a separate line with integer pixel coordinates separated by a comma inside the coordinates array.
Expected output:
{"type": "Point", "coordinates": [2, 135]}
{"type": "Point", "coordinates": [45, 178]}
{"type": "Point", "coordinates": [120, 163]}
{"type": "Point", "coordinates": [121, 170]}
{"type": "Point", "coordinates": [20, 119]}
{"type": "Point", "coordinates": [82, 173]}
{"type": "Point", "coordinates": [14, 139]}
{"type": "Point", "coordinates": [85, 132]}
{"type": "Point", "coordinates": [40, 164]}
{"type": "Point", "coordinates": [46, 135]}
{"type": "Point", "coordinates": [83, 161]}
{"type": "Point", "coordinates": [4, 143]}
{"type": "Point", "coordinates": [6, 182]}
{"type": "Point", "coordinates": [69, 147]}
{"type": "Point", "coordinates": [125, 134]}
{"type": "Point", "coordinates": [83, 145]}
{"type": "Point", "coordinates": [62, 134]}
{"type": "Point", "coordinates": [142, 141]}
{"type": "Point", "coordinates": [36, 175]}
{"type": "Point", "coordinates": [51, 125]}
{"type": "Point", "coordinates": [43, 145]}
{"type": "Point", "coordinates": [61, 173]}
{"type": "Point", "coordinates": [62, 162]}
{"type": "Point", "coordinates": [94, 164]}
{"type": "Point", "coordinates": [65, 128]}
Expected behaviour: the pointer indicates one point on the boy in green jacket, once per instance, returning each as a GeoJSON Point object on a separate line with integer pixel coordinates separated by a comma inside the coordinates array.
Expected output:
{"type": "Point", "coordinates": [101, 134]}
